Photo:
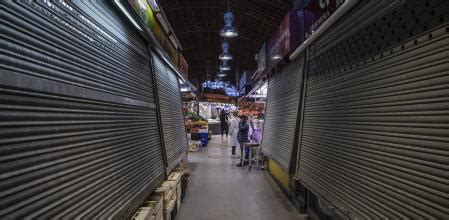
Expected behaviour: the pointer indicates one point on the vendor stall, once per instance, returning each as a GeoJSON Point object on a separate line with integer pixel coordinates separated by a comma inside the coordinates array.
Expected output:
{"type": "Point", "coordinates": [211, 110]}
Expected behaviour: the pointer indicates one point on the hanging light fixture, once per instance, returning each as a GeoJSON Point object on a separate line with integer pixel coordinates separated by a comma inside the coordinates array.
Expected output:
{"type": "Point", "coordinates": [224, 66]}
{"type": "Point", "coordinates": [228, 30]}
{"type": "Point", "coordinates": [225, 55]}
{"type": "Point", "coordinates": [221, 74]}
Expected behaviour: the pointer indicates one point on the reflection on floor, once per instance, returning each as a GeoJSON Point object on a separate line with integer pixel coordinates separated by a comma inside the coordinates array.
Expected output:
{"type": "Point", "coordinates": [220, 190]}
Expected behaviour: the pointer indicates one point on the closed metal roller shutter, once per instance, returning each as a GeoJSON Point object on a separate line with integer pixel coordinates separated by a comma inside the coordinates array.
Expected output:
{"type": "Point", "coordinates": [282, 113]}
{"type": "Point", "coordinates": [172, 117]}
{"type": "Point", "coordinates": [78, 121]}
{"type": "Point", "coordinates": [375, 141]}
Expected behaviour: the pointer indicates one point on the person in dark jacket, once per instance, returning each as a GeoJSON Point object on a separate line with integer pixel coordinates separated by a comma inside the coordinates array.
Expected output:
{"type": "Point", "coordinates": [242, 137]}
{"type": "Point", "coordinates": [224, 123]}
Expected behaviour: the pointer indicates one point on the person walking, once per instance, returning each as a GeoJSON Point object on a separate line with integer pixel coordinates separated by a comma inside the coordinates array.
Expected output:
{"type": "Point", "coordinates": [223, 123]}
{"type": "Point", "coordinates": [233, 131]}
{"type": "Point", "coordinates": [242, 137]}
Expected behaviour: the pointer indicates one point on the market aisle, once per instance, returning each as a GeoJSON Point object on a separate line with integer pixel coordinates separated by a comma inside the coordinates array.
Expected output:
{"type": "Point", "coordinates": [220, 190]}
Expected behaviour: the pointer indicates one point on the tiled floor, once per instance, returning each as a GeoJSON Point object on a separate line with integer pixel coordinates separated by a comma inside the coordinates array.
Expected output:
{"type": "Point", "coordinates": [220, 190]}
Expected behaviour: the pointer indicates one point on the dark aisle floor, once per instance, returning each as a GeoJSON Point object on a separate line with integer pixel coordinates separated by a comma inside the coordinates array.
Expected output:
{"type": "Point", "coordinates": [220, 190]}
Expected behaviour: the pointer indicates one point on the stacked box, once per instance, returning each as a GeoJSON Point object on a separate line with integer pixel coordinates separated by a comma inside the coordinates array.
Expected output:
{"type": "Point", "coordinates": [169, 210]}
{"type": "Point", "coordinates": [144, 213]}
{"type": "Point", "coordinates": [176, 177]}
{"type": "Point", "coordinates": [168, 190]}
{"type": "Point", "coordinates": [164, 200]}
{"type": "Point", "coordinates": [156, 201]}
{"type": "Point", "coordinates": [151, 210]}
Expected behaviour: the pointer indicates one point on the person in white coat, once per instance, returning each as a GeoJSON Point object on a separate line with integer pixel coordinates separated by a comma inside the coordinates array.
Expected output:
{"type": "Point", "coordinates": [233, 130]}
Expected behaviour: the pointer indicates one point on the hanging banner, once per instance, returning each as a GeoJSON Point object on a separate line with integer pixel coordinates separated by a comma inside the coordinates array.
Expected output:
{"type": "Point", "coordinates": [286, 39]}
{"type": "Point", "coordinates": [318, 11]}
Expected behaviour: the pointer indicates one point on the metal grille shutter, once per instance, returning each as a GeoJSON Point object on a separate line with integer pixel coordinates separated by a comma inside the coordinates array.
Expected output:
{"type": "Point", "coordinates": [78, 121]}
{"type": "Point", "coordinates": [376, 120]}
{"type": "Point", "coordinates": [282, 112]}
{"type": "Point", "coordinates": [172, 117]}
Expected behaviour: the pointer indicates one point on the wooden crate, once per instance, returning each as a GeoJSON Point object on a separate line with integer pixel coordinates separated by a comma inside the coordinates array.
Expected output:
{"type": "Point", "coordinates": [178, 195]}
{"type": "Point", "coordinates": [179, 169]}
{"type": "Point", "coordinates": [156, 202]}
{"type": "Point", "coordinates": [144, 213]}
{"type": "Point", "coordinates": [168, 190]}
{"type": "Point", "coordinates": [156, 199]}
{"type": "Point", "coordinates": [168, 185]}
{"type": "Point", "coordinates": [152, 209]}
{"type": "Point", "coordinates": [175, 176]}
{"type": "Point", "coordinates": [178, 190]}
{"type": "Point", "coordinates": [178, 201]}
{"type": "Point", "coordinates": [168, 212]}
{"type": "Point", "coordinates": [167, 197]}
{"type": "Point", "coordinates": [156, 210]}
{"type": "Point", "coordinates": [159, 215]}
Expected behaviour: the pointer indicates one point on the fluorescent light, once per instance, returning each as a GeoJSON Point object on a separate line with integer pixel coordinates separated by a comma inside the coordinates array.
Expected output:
{"type": "Point", "coordinates": [257, 96]}
{"type": "Point", "coordinates": [276, 57]}
{"type": "Point", "coordinates": [187, 89]}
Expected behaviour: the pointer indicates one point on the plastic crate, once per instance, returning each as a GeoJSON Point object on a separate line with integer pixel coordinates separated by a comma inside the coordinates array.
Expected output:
{"type": "Point", "coordinates": [204, 137]}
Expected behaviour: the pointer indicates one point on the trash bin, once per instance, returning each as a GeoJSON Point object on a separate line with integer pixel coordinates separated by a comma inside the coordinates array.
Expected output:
{"type": "Point", "coordinates": [204, 137]}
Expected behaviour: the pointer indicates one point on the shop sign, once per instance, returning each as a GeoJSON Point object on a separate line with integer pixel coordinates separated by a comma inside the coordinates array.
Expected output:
{"type": "Point", "coordinates": [318, 11]}
{"type": "Point", "coordinates": [170, 49]}
{"type": "Point", "coordinates": [183, 66]}
{"type": "Point", "coordinates": [144, 11]}
{"type": "Point", "coordinates": [261, 59]}
{"type": "Point", "coordinates": [286, 39]}
{"type": "Point", "coordinates": [207, 97]}
{"type": "Point", "coordinates": [261, 63]}
{"type": "Point", "coordinates": [244, 80]}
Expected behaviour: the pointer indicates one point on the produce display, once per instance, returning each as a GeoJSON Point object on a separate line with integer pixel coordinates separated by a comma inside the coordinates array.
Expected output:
{"type": "Point", "coordinates": [195, 122]}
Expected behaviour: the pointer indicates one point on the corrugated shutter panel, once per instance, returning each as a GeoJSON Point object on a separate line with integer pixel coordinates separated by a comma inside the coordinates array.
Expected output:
{"type": "Point", "coordinates": [282, 112]}
{"type": "Point", "coordinates": [375, 141]}
{"type": "Point", "coordinates": [172, 117]}
{"type": "Point", "coordinates": [79, 132]}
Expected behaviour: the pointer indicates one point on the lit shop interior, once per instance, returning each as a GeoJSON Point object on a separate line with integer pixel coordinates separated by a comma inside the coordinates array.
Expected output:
{"type": "Point", "coordinates": [224, 109]}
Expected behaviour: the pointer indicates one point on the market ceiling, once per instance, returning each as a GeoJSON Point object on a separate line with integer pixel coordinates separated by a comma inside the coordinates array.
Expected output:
{"type": "Point", "coordinates": [197, 23]}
